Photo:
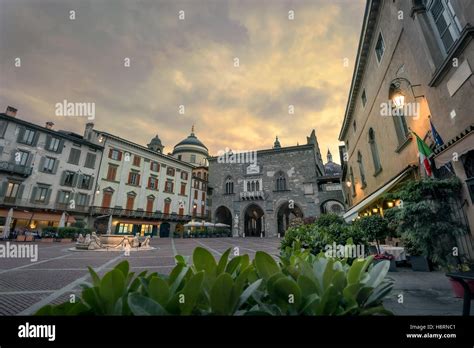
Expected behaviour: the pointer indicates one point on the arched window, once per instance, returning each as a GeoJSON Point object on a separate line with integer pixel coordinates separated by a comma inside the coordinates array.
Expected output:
{"type": "Point", "coordinates": [253, 185]}
{"type": "Point", "coordinates": [397, 113]}
{"type": "Point", "coordinates": [229, 185]}
{"type": "Point", "coordinates": [248, 186]}
{"type": "Point", "coordinates": [375, 152]}
{"type": "Point", "coordinates": [280, 182]}
{"type": "Point", "coordinates": [257, 185]}
{"type": "Point", "coordinates": [361, 169]}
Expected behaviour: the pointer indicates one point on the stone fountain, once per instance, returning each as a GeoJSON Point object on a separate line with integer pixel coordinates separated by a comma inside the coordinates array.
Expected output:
{"type": "Point", "coordinates": [112, 242]}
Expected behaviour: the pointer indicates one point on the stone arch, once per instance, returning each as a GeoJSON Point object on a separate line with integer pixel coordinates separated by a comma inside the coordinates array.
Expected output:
{"type": "Point", "coordinates": [254, 220]}
{"type": "Point", "coordinates": [223, 215]}
{"type": "Point", "coordinates": [333, 206]}
{"type": "Point", "coordinates": [285, 214]}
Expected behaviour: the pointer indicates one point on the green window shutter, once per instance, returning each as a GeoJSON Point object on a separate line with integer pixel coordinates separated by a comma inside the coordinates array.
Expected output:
{"type": "Point", "coordinates": [30, 159]}
{"type": "Point", "coordinates": [19, 195]}
{"type": "Point", "coordinates": [35, 138]}
{"type": "Point", "coordinates": [41, 164]}
{"type": "Point", "coordinates": [21, 133]}
{"type": "Point", "coordinates": [91, 183]}
{"type": "Point", "coordinates": [61, 146]}
{"type": "Point", "coordinates": [3, 188]}
{"type": "Point", "coordinates": [3, 128]}
{"type": "Point", "coordinates": [48, 141]}
{"type": "Point", "coordinates": [88, 198]}
{"type": "Point", "coordinates": [75, 180]}
{"type": "Point", "coordinates": [33, 194]}
{"type": "Point", "coordinates": [56, 165]}
{"type": "Point", "coordinates": [48, 196]}
{"type": "Point", "coordinates": [63, 177]}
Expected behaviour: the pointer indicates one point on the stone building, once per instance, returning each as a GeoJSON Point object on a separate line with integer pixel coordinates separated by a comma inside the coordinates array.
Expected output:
{"type": "Point", "coordinates": [413, 65]}
{"type": "Point", "coordinates": [260, 194]}
{"type": "Point", "coordinates": [44, 173]}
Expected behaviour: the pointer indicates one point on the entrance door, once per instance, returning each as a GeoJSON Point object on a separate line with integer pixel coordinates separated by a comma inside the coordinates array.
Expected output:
{"type": "Point", "coordinates": [165, 230]}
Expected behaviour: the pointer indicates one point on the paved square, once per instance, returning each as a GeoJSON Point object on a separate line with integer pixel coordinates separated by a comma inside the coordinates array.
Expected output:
{"type": "Point", "coordinates": [26, 286]}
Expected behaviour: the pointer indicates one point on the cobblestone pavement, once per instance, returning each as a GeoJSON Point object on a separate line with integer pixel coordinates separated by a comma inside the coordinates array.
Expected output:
{"type": "Point", "coordinates": [26, 286]}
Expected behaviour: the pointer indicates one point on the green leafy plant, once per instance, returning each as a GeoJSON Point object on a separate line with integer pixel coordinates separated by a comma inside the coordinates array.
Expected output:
{"type": "Point", "coordinates": [302, 284]}
{"type": "Point", "coordinates": [375, 228]}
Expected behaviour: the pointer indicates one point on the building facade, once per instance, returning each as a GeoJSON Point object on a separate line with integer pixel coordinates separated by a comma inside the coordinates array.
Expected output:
{"type": "Point", "coordinates": [413, 66]}
{"type": "Point", "coordinates": [263, 197]}
{"type": "Point", "coordinates": [145, 191]}
{"type": "Point", "coordinates": [44, 173]}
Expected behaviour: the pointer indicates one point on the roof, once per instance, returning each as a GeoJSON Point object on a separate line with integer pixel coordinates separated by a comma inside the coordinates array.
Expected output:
{"type": "Point", "coordinates": [367, 32]}
{"type": "Point", "coordinates": [76, 138]}
{"type": "Point", "coordinates": [191, 140]}
{"type": "Point", "coordinates": [332, 168]}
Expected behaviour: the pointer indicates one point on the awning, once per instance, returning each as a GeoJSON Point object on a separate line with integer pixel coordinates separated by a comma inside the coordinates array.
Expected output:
{"type": "Point", "coordinates": [459, 147]}
{"type": "Point", "coordinates": [37, 216]}
{"type": "Point", "coordinates": [352, 213]}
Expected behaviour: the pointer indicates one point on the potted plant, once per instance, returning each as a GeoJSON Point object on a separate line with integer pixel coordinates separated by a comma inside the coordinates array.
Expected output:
{"type": "Point", "coordinates": [48, 234]}
{"type": "Point", "coordinates": [458, 290]}
{"type": "Point", "coordinates": [419, 262]}
{"type": "Point", "coordinates": [386, 256]}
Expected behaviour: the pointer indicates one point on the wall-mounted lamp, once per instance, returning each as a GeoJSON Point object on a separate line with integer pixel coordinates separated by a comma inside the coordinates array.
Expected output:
{"type": "Point", "coordinates": [375, 210]}
{"type": "Point", "coordinates": [348, 184]}
{"type": "Point", "coordinates": [390, 204]}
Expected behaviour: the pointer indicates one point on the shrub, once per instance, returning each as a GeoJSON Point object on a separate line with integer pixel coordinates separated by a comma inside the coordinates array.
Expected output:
{"type": "Point", "coordinates": [374, 227]}
{"type": "Point", "coordinates": [315, 285]}
{"type": "Point", "coordinates": [325, 220]}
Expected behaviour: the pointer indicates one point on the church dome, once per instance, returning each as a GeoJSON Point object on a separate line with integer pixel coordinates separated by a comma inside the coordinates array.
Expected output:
{"type": "Point", "coordinates": [155, 144]}
{"type": "Point", "coordinates": [191, 150]}
{"type": "Point", "coordinates": [331, 168]}
{"type": "Point", "coordinates": [191, 140]}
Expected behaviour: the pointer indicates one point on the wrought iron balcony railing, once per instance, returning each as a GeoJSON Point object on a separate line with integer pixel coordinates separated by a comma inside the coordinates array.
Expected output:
{"type": "Point", "coordinates": [13, 168]}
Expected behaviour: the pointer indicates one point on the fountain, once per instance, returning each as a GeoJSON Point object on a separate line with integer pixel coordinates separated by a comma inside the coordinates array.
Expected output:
{"type": "Point", "coordinates": [111, 242]}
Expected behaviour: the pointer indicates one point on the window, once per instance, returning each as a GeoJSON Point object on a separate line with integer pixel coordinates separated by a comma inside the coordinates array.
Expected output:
{"type": "Point", "coordinates": [21, 157]}
{"type": "Point", "coordinates": [153, 183]}
{"type": "Point", "coordinates": [48, 165]}
{"type": "Point", "coordinates": [12, 191]}
{"type": "Point", "coordinates": [446, 23]}
{"type": "Point", "coordinates": [184, 176]}
{"type": "Point", "coordinates": [3, 127]}
{"type": "Point", "coordinates": [229, 186]}
{"type": "Point", "coordinates": [204, 187]}
{"type": "Point", "coordinates": [53, 144]}
{"type": "Point", "coordinates": [40, 194]}
{"type": "Point", "coordinates": [136, 160]}
{"type": "Point", "coordinates": [85, 182]}
{"type": "Point", "coordinates": [154, 166]}
{"type": "Point", "coordinates": [90, 160]}
{"type": "Point", "coordinates": [167, 206]}
{"type": "Point", "coordinates": [63, 197]}
{"type": "Point", "coordinates": [125, 228]}
{"type": "Point", "coordinates": [203, 196]}
{"type": "Point", "coordinates": [169, 187]}
{"type": "Point", "coordinates": [115, 154]}
{"type": "Point", "coordinates": [134, 179]}
{"type": "Point", "coordinates": [361, 169]}
{"type": "Point", "coordinates": [195, 194]}
{"type": "Point", "coordinates": [130, 202]}
{"type": "Point", "coordinates": [107, 199]}
{"type": "Point", "coordinates": [170, 171]}
{"type": "Point", "coordinates": [379, 47]}
{"type": "Point", "coordinates": [111, 172]}
{"type": "Point", "coordinates": [375, 152]}
{"type": "Point", "coordinates": [81, 199]}
{"type": "Point", "coordinates": [74, 156]}
{"type": "Point", "coordinates": [363, 97]}
{"type": "Point", "coordinates": [149, 204]}
{"type": "Point", "coordinates": [179, 157]}
{"type": "Point", "coordinates": [280, 182]}
{"type": "Point", "coordinates": [183, 189]}
{"type": "Point", "coordinates": [28, 137]}
{"type": "Point", "coordinates": [401, 127]}
{"type": "Point", "coordinates": [68, 178]}
{"type": "Point", "coordinates": [193, 158]}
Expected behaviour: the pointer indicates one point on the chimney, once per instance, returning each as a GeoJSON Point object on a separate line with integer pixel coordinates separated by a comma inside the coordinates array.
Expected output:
{"type": "Point", "coordinates": [49, 125]}
{"type": "Point", "coordinates": [88, 131]}
{"type": "Point", "coordinates": [11, 111]}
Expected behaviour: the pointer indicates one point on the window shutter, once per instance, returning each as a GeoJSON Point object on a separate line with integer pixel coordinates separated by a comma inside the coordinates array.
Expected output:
{"type": "Point", "coordinates": [41, 164]}
{"type": "Point", "coordinates": [149, 182]}
{"type": "Point", "coordinates": [48, 141]}
{"type": "Point", "coordinates": [61, 146]}
{"type": "Point", "coordinates": [21, 133]}
{"type": "Point", "coordinates": [56, 164]}
{"type": "Point", "coordinates": [33, 194]}
{"type": "Point", "coordinates": [120, 156]}
{"type": "Point", "coordinates": [35, 138]}
{"type": "Point", "coordinates": [110, 153]}
{"type": "Point", "coordinates": [48, 196]}
{"type": "Point", "coordinates": [3, 188]}
{"type": "Point", "coordinates": [77, 179]}
{"type": "Point", "coordinates": [63, 177]}
{"type": "Point", "coordinates": [138, 179]}
{"type": "Point", "coordinates": [88, 198]}
{"type": "Point", "coordinates": [30, 159]}
{"type": "Point", "coordinates": [91, 182]}
{"type": "Point", "coordinates": [20, 191]}
{"type": "Point", "coordinates": [129, 178]}
{"type": "Point", "coordinates": [3, 128]}
{"type": "Point", "coordinates": [151, 168]}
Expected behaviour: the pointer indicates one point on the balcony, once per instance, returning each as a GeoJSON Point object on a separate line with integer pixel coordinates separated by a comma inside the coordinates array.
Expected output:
{"type": "Point", "coordinates": [67, 207]}
{"type": "Point", "coordinates": [13, 168]}
{"type": "Point", "coordinates": [139, 214]}
{"type": "Point", "coordinates": [252, 195]}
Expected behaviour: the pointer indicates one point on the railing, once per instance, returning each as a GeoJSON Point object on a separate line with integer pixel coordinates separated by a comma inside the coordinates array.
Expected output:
{"type": "Point", "coordinates": [13, 168]}
{"type": "Point", "coordinates": [67, 206]}
{"type": "Point", "coordinates": [27, 203]}
{"type": "Point", "coordinates": [252, 195]}
{"type": "Point", "coordinates": [119, 212]}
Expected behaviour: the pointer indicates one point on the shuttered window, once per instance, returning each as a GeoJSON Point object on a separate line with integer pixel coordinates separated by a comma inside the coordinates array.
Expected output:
{"type": "Point", "coordinates": [90, 160]}
{"type": "Point", "coordinates": [74, 156]}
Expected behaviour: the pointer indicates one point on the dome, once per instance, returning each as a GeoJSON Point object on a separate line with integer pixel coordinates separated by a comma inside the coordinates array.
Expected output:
{"type": "Point", "coordinates": [332, 168]}
{"type": "Point", "coordinates": [155, 144]}
{"type": "Point", "coordinates": [191, 140]}
{"type": "Point", "coordinates": [191, 150]}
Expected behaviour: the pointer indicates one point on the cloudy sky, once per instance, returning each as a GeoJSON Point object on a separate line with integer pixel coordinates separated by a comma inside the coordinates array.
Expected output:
{"type": "Point", "coordinates": [306, 62]}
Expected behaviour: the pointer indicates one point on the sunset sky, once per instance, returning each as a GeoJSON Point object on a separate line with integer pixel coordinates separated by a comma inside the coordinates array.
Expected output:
{"type": "Point", "coordinates": [186, 62]}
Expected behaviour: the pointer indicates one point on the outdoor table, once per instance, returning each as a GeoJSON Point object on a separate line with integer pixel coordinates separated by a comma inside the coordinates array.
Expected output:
{"type": "Point", "coordinates": [397, 252]}
{"type": "Point", "coordinates": [461, 278]}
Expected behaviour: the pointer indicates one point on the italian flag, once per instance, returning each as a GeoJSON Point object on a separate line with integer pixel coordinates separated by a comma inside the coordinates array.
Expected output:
{"type": "Point", "coordinates": [425, 153]}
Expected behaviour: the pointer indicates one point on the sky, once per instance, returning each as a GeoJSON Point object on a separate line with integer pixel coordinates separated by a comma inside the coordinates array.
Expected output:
{"type": "Point", "coordinates": [245, 71]}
